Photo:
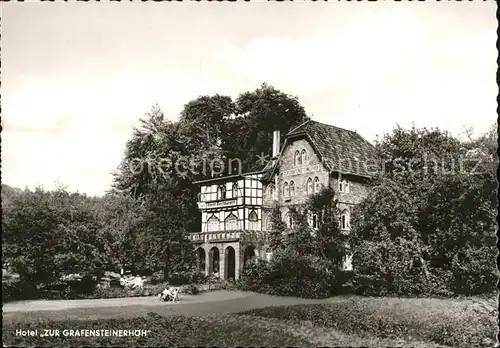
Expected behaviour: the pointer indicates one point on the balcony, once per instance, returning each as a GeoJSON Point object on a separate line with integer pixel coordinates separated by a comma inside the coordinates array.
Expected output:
{"type": "Point", "coordinates": [227, 236]}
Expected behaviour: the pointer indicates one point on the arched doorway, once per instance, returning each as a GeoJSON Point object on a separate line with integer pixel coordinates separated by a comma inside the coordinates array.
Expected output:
{"type": "Point", "coordinates": [201, 259]}
{"type": "Point", "coordinates": [214, 260]}
{"type": "Point", "coordinates": [230, 263]}
{"type": "Point", "coordinates": [250, 255]}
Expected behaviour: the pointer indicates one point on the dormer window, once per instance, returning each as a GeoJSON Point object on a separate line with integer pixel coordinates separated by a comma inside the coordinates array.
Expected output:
{"type": "Point", "coordinates": [303, 156]}
{"type": "Point", "coordinates": [292, 188]}
{"type": "Point", "coordinates": [309, 186]}
{"type": "Point", "coordinates": [286, 190]}
{"type": "Point", "coordinates": [297, 160]}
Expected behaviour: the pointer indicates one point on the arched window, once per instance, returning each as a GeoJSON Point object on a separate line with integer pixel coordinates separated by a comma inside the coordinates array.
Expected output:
{"type": "Point", "coordinates": [253, 221]}
{"type": "Point", "coordinates": [270, 191]}
{"type": "Point", "coordinates": [316, 184]}
{"type": "Point", "coordinates": [344, 221]}
{"type": "Point", "coordinates": [269, 222]}
{"type": "Point", "coordinates": [286, 190]}
{"type": "Point", "coordinates": [221, 192]}
{"type": "Point", "coordinates": [343, 185]}
{"type": "Point", "coordinates": [213, 224]}
{"type": "Point", "coordinates": [297, 158]}
{"type": "Point", "coordinates": [292, 188]}
{"type": "Point", "coordinates": [309, 187]}
{"type": "Point", "coordinates": [289, 220]}
{"type": "Point", "coordinates": [313, 220]}
{"type": "Point", "coordinates": [235, 190]}
{"type": "Point", "coordinates": [304, 156]}
{"type": "Point", "coordinates": [231, 223]}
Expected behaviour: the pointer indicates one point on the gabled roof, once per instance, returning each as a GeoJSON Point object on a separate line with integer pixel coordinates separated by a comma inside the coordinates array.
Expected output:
{"type": "Point", "coordinates": [340, 150]}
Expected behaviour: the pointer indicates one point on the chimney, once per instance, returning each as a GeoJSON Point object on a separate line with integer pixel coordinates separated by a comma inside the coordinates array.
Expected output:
{"type": "Point", "coordinates": [276, 143]}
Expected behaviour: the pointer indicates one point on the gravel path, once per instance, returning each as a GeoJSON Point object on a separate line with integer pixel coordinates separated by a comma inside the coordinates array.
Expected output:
{"type": "Point", "coordinates": [215, 302]}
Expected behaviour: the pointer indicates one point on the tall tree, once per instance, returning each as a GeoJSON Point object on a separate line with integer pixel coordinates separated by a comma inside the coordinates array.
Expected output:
{"type": "Point", "coordinates": [430, 220]}
{"type": "Point", "coordinates": [259, 113]}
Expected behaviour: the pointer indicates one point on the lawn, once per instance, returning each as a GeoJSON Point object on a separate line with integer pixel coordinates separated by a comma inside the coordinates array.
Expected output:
{"type": "Point", "coordinates": [175, 331]}
{"type": "Point", "coordinates": [446, 322]}
{"type": "Point", "coordinates": [340, 321]}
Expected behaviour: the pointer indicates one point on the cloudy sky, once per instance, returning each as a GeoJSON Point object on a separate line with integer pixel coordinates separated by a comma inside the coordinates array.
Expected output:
{"type": "Point", "coordinates": [77, 76]}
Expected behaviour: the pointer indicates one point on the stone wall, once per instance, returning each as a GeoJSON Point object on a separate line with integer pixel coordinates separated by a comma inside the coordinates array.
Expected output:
{"type": "Point", "coordinates": [299, 174]}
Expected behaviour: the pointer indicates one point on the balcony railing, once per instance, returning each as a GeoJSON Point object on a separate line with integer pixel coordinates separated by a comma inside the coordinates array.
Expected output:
{"type": "Point", "coordinates": [207, 237]}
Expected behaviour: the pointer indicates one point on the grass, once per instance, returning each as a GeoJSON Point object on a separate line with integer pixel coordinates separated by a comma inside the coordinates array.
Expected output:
{"type": "Point", "coordinates": [164, 331]}
{"type": "Point", "coordinates": [340, 321]}
{"type": "Point", "coordinates": [456, 323]}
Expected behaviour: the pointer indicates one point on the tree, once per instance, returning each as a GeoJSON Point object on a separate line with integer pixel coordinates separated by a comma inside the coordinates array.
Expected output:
{"type": "Point", "coordinates": [50, 233]}
{"type": "Point", "coordinates": [429, 222]}
{"type": "Point", "coordinates": [121, 218]}
{"type": "Point", "coordinates": [330, 243]}
{"type": "Point", "coordinates": [276, 234]}
{"type": "Point", "coordinates": [258, 114]}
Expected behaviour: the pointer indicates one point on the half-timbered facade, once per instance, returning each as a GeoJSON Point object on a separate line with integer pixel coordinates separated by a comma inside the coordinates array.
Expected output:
{"type": "Point", "coordinates": [236, 210]}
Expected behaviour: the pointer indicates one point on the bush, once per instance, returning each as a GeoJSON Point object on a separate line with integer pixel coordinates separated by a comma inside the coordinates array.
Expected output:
{"type": "Point", "coordinates": [289, 274]}
{"type": "Point", "coordinates": [17, 291]}
{"type": "Point", "coordinates": [157, 277]}
{"type": "Point", "coordinates": [190, 289]}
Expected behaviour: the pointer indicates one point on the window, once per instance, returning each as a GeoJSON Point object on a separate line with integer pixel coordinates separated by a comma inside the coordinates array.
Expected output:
{"type": "Point", "coordinates": [313, 220]}
{"type": "Point", "coordinates": [289, 220]}
{"type": "Point", "coordinates": [309, 186]}
{"type": "Point", "coordinates": [270, 191]}
{"type": "Point", "coordinates": [344, 221]}
{"type": "Point", "coordinates": [292, 188]}
{"type": "Point", "coordinates": [213, 224]}
{"type": "Point", "coordinates": [221, 192]}
{"type": "Point", "coordinates": [253, 221]}
{"type": "Point", "coordinates": [235, 190]}
{"type": "Point", "coordinates": [297, 158]}
{"type": "Point", "coordinates": [316, 184]}
{"type": "Point", "coordinates": [304, 156]}
{"type": "Point", "coordinates": [347, 263]}
{"type": "Point", "coordinates": [269, 222]}
{"type": "Point", "coordinates": [231, 223]}
{"type": "Point", "coordinates": [286, 190]}
{"type": "Point", "coordinates": [269, 256]}
{"type": "Point", "coordinates": [343, 185]}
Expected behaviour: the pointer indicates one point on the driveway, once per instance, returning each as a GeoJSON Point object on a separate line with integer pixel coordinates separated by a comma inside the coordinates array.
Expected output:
{"type": "Point", "coordinates": [221, 301]}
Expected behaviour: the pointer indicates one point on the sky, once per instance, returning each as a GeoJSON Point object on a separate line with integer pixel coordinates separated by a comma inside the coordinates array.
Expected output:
{"type": "Point", "coordinates": [77, 76]}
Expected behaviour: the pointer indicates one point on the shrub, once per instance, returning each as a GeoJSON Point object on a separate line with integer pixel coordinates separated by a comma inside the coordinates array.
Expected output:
{"type": "Point", "coordinates": [190, 289]}
{"type": "Point", "coordinates": [289, 274]}
{"type": "Point", "coordinates": [157, 277]}
{"type": "Point", "coordinates": [17, 290]}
